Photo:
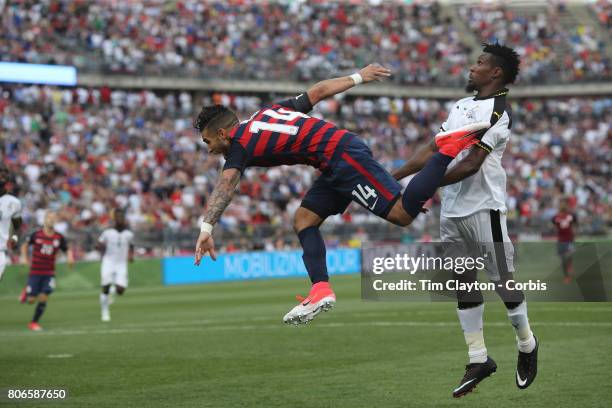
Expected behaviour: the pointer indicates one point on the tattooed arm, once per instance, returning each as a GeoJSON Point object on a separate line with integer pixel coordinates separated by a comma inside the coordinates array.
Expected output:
{"type": "Point", "coordinates": [219, 200]}
{"type": "Point", "coordinates": [221, 195]}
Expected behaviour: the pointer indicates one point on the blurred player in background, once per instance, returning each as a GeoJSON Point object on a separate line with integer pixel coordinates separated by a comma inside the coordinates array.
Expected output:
{"type": "Point", "coordinates": [474, 211]}
{"type": "Point", "coordinates": [10, 220]}
{"type": "Point", "coordinates": [115, 245]}
{"type": "Point", "coordinates": [45, 243]}
{"type": "Point", "coordinates": [283, 133]}
{"type": "Point", "coordinates": [566, 222]}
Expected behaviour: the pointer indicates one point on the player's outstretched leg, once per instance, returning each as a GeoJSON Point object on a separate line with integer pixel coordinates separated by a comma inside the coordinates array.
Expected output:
{"type": "Point", "coordinates": [321, 296]}
{"type": "Point", "coordinates": [425, 183]}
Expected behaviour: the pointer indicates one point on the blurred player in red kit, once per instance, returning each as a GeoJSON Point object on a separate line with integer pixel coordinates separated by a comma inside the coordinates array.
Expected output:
{"type": "Point", "coordinates": [45, 243]}
{"type": "Point", "coordinates": [565, 222]}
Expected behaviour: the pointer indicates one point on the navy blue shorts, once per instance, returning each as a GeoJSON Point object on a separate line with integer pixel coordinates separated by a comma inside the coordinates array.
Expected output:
{"type": "Point", "coordinates": [40, 284]}
{"type": "Point", "coordinates": [355, 176]}
{"type": "Point", "coordinates": [565, 248]}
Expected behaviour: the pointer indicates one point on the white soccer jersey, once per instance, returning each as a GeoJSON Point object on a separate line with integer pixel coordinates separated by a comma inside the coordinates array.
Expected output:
{"type": "Point", "coordinates": [10, 208]}
{"type": "Point", "coordinates": [485, 190]}
{"type": "Point", "coordinates": [117, 246]}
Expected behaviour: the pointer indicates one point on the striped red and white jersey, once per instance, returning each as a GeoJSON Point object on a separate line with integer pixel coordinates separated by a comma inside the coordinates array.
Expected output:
{"type": "Point", "coordinates": [44, 250]}
{"type": "Point", "coordinates": [284, 133]}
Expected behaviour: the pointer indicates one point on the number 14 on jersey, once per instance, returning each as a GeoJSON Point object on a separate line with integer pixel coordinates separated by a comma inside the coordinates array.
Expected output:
{"type": "Point", "coordinates": [364, 194]}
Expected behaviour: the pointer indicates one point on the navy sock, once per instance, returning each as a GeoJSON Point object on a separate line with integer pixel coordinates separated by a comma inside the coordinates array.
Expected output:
{"type": "Point", "coordinates": [314, 254]}
{"type": "Point", "coordinates": [423, 186]}
{"type": "Point", "coordinates": [40, 309]}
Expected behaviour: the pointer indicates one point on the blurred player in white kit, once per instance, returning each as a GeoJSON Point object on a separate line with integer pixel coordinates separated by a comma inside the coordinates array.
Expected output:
{"type": "Point", "coordinates": [115, 245]}
{"type": "Point", "coordinates": [10, 218]}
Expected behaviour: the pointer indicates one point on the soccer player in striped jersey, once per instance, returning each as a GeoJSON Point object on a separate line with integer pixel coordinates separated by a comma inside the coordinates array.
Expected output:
{"type": "Point", "coordinates": [45, 243]}
{"type": "Point", "coordinates": [284, 133]}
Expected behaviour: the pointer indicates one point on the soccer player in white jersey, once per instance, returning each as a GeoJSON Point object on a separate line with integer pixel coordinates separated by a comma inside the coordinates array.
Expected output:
{"type": "Point", "coordinates": [10, 218]}
{"type": "Point", "coordinates": [474, 211]}
{"type": "Point", "coordinates": [117, 249]}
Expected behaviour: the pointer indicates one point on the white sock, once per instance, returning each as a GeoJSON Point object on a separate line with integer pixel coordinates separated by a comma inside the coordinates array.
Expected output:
{"type": "Point", "coordinates": [477, 352]}
{"type": "Point", "coordinates": [471, 323]}
{"type": "Point", "coordinates": [524, 337]}
{"type": "Point", "coordinates": [104, 302]}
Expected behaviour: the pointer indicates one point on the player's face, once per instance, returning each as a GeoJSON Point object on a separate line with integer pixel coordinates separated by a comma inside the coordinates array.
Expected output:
{"type": "Point", "coordinates": [50, 219]}
{"type": "Point", "coordinates": [563, 206]}
{"type": "Point", "coordinates": [120, 220]}
{"type": "Point", "coordinates": [481, 73]}
{"type": "Point", "coordinates": [217, 142]}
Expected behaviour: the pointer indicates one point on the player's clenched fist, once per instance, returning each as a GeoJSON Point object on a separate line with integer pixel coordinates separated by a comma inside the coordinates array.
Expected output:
{"type": "Point", "coordinates": [374, 72]}
{"type": "Point", "coordinates": [205, 245]}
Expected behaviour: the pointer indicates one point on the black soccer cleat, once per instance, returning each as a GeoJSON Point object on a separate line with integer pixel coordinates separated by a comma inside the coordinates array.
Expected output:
{"type": "Point", "coordinates": [527, 367]}
{"type": "Point", "coordinates": [474, 373]}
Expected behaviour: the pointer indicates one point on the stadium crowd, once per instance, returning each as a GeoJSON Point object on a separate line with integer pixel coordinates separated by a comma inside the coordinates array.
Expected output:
{"type": "Point", "coordinates": [87, 151]}
{"type": "Point", "coordinates": [549, 52]}
{"type": "Point", "coordinates": [283, 40]}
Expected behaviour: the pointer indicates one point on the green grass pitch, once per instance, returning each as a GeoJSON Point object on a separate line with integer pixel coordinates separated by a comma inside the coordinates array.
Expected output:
{"type": "Point", "coordinates": [223, 345]}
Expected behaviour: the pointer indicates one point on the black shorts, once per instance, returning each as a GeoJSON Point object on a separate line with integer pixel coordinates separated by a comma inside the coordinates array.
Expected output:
{"type": "Point", "coordinates": [40, 284]}
{"type": "Point", "coordinates": [355, 176]}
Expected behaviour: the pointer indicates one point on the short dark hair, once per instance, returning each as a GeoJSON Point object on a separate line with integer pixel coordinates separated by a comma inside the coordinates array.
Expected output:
{"type": "Point", "coordinates": [216, 116]}
{"type": "Point", "coordinates": [505, 58]}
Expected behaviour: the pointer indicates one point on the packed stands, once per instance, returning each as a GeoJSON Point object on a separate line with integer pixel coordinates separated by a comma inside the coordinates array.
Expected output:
{"type": "Point", "coordinates": [550, 53]}
{"type": "Point", "coordinates": [292, 40]}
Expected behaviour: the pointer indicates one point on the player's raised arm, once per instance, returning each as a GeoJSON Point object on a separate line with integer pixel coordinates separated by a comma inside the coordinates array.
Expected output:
{"type": "Point", "coordinates": [331, 87]}
{"type": "Point", "coordinates": [219, 200]}
{"type": "Point", "coordinates": [466, 167]}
